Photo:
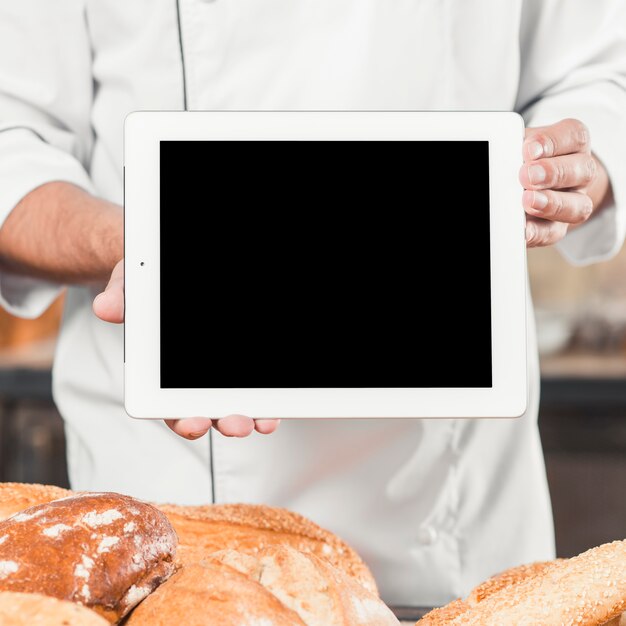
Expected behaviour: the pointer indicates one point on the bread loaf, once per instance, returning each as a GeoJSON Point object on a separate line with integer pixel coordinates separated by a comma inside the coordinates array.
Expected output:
{"type": "Point", "coordinates": [509, 577]}
{"type": "Point", "coordinates": [512, 576]}
{"type": "Point", "coordinates": [205, 529]}
{"type": "Point", "coordinates": [207, 594]}
{"type": "Point", "coordinates": [29, 609]}
{"type": "Point", "coordinates": [587, 590]}
{"type": "Point", "coordinates": [15, 497]}
{"type": "Point", "coordinates": [249, 528]}
{"type": "Point", "coordinates": [262, 577]}
{"type": "Point", "coordinates": [275, 586]}
{"type": "Point", "coordinates": [319, 593]}
{"type": "Point", "coordinates": [105, 551]}
{"type": "Point", "coordinates": [444, 615]}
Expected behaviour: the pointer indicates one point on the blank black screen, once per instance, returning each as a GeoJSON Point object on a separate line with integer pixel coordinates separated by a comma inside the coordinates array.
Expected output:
{"type": "Point", "coordinates": [325, 264]}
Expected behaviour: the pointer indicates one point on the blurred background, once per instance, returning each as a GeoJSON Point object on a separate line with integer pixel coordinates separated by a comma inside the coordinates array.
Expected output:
{"type": "Point", "coordinates": [581, 318]}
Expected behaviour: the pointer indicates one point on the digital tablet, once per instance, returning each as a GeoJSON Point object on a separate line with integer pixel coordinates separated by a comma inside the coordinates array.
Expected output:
{"type": "Point", "coordinates": [324, 264]}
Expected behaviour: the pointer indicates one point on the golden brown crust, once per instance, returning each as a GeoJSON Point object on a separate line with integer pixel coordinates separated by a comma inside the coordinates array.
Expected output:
{"type": "Point", "coordinates": [203, 528]}
{"type": "Point", "coordinates": [205, 594]}
{"type": "Point", "coordinates": [15, 497]}
{"type": "Point", "coordinates": [105, 551]}
{"type": "Point", "coordinates": [445, 614]}
{"type": "Point", "coordinates": [319, 593]}
{"type": "Point", "coordinates": [248, 528]}
{"type": "Point", "coordinates": [589, 589]}
{"type": "Point", "coordinates": [509, 577]}
{"type": "Point", "coordinates": [31, 609]}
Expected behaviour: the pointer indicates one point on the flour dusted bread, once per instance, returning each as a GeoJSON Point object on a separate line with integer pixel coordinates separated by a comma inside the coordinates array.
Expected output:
{"type": "Point", "coordinates": [249, 528]}
{"type": "Point", "coordinates": [239, 564]}
{"type": "Point", "coordinates": [206, 594]}
{"type": "Point", "coordinates": [103, 550]}
{"type": "Point", "coordinates": [205, 529]}
{"type": "Point", "coordinates": [28, 609]}
{"type": "Point", "coordinates": [15, 497]}
{"type": "Point", "coordinates": [318, 592]}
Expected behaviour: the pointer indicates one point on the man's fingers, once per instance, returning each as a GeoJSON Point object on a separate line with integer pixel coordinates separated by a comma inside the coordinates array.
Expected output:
{"type": "Point", "coordinates": [566, 137]}
{"type": "Point", "coordinates": [230, 426]}
{"type": "Point", "coordinates": [235, 426]}
{"type": "Point", "coordinates": [559, 206]}
{"type": "Point", "coordinates": [190, 428]}
{"type": "Point", "coordinates": [543, 232]}
{"type": "Point", "coordinates": [565, 172]}
{"type": "Point", "coordinates": [266, 427]}
{"type": "Point", "coordinates": [109, 305]}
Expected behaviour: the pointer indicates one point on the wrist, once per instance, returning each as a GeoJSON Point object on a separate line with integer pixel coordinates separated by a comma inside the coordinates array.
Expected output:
{"type": "Point", "coordinates": [101, 223]}
{"type": "Point", "coordinates": [107, 239]}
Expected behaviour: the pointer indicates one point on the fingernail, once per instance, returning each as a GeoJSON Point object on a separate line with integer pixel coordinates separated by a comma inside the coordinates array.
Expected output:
{"type": "Point", "coordinates": [535, 149]}
{"type": "Point", "coordinates": [196, 435]}
{"type": "Point", "coordinates": [536, 174]}
{"type": "Point", "coordinates": [540, 200]}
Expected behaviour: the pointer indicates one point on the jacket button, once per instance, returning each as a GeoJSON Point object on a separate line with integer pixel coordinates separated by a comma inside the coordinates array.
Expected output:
{"type": "Point", "coordinates": [427, 535]}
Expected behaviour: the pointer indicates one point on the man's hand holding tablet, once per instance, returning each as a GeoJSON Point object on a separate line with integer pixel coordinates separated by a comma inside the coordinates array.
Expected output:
{"type": "Point", "coordinates": [564, 183]}
{"type": "Point", "coordinates": [561, 151]}
{"type": "Point", "coordinates": [109, 306]}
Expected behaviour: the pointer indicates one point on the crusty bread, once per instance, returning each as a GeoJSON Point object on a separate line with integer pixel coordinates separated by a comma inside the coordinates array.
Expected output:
{"type": "Point", "coordinates": [444, 615]}
{"type": "Point", "coordinates": [509, 577]}
{"type": "Point", "coordinates": [15, 497]}
{"type": "Point", "coordinates": [205, 529]}
{"type": "Point", "coordinates": [587, 590]}
{"type": "Point", "coordinates": [512, 576]}
{"type": "Point", "coordinates": [319, 593]}
{"type": "Point", "coordinates": [105, 551]}
{"type": "Point", "coordinates": [206, 594]}
{"type": "Point", "coordinates": [249, 528]}
{"type": "Point", "coordinates": [32, 609]}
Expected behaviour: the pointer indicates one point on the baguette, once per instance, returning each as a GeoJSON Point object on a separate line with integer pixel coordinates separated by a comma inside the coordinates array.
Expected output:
{"type": "Point", "coordinates": [512, 576]}
{"type": "Point", "coordinates": [587, 590]}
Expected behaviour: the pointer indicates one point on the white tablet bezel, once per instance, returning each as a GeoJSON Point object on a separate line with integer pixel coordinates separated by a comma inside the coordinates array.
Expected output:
{"type": "Point", "coordinates": [145, 398]}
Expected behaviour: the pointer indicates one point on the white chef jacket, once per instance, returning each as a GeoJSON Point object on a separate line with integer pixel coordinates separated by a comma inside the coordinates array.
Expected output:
{"type": "Point", "coordinates": [433, 506]}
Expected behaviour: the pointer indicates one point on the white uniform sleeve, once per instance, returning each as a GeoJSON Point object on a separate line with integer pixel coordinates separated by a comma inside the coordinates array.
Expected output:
{"type": "Point", "coordinates": [45, 134]}
{"type": "Point", "coordinates": [574, 65]}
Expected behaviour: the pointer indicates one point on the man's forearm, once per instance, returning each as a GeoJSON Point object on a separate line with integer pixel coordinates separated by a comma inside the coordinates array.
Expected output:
{"type": "Point", "coordinates": [60, 232]}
